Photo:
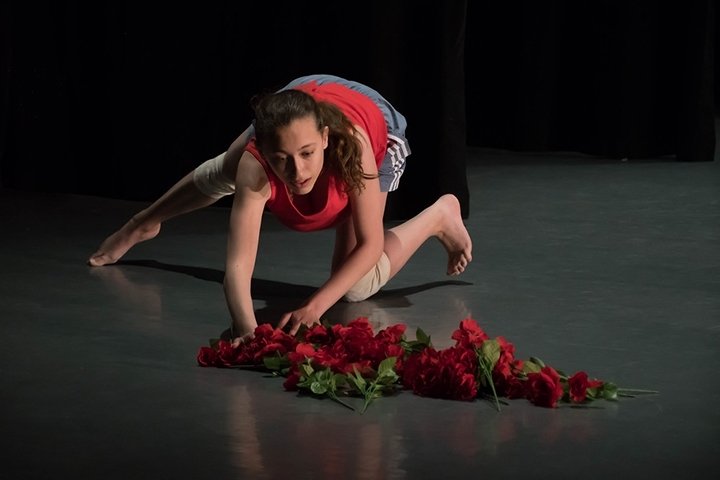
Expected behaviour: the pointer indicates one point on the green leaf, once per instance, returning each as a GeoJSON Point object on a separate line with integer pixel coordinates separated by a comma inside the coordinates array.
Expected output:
{"type": "Point", "coordinates": [387, 365]}
{"type": "Point", "coordinates": [276, 363]}
{"type": "Point", "coordinates": [318, 388]}
{"type": "Point", "coordinates": [490, 351]}
{"type": "Point", "coordinates": [592, 393]}
{"type": "Point", "coordinates": [609, 391]}
{"type": "Point", "coordinates": [422, 337]}
{"type": "Point", "coordinates": [339, 380]}
{"type": "Point", "coordinates": [530, 366]}
{"type": "Point", "coordinates": [357, 381]}
{"type": "Point", "coordinates": [537, 361]}
{"type": "Point", "coordinates": [307, 369]}
{"type": "Point", "coordinates": [358, 376]}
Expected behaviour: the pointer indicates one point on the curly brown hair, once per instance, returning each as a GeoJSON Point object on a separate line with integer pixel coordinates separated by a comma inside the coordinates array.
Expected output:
{"type": "Point", "coordinates": [344, 153]}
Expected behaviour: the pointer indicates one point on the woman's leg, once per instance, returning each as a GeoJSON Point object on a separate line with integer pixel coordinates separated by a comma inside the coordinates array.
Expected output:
{"type": "Point", "coordinates": [442, 220]}
{"type": "Point", "coordinates": [183, 197]}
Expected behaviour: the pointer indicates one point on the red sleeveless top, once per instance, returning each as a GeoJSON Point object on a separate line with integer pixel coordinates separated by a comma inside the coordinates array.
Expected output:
{"type": "Point", "coordinates": [361, 111]}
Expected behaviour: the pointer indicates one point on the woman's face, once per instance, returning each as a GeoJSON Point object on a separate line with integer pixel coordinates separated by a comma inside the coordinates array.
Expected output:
{"type": "Point", "coordinates": [298, 156]}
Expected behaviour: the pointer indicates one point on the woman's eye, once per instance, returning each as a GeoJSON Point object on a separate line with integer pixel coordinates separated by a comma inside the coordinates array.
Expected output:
{"type": "Point", "coordinates": [307, 154]}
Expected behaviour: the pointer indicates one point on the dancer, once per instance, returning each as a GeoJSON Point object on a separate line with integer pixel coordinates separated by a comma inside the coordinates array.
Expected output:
{"type": "Point", "coordinates": [323, 152]}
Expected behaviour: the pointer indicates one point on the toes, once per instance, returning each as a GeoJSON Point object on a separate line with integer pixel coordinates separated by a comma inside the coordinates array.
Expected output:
{"type": "Point", "coordinates": [458, 264]}
{"type": "Point", "coordinates": [100, 260]}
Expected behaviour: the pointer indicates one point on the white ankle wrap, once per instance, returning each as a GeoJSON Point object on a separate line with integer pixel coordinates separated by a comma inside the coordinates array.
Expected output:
{"type": "Point", "coordinates": [373, 281]}
{"type": "Point", "coordinates": [210, 179]}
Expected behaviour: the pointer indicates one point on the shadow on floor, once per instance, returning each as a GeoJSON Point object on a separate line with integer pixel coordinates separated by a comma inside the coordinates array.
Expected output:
{"type": "Point", "coordinates": [281, 297]}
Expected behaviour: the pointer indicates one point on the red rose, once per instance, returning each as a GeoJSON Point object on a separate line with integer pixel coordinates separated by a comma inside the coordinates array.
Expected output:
{"type": "Point", "coordinates": [507, 350]}
{"type": "Point", "coordinates": [469, 335]}
{"type": "Point", "coordinates": [227, 354]}
{"type": "Point", "coordinates": [506, 378]}
{"type": "Point", "coordinates": [292, 380]}
{"type": "Point", "coordinates": [543, 388]}
{"type": "Point", "coordinates": [392, 334]}
{"type": "Point", "coordinates": [317, 335]}
{"type": "Point", "coordinates": [364, 368]}
{"type": "Point", "coordinates": [206, 357]}
{"type": "Point", "coordinates": [356, 337]}
{"type": "Point", "coordinates": [449, 373]}
{"type": "Point", "coordinates": [579, 385]}
{"type": "Point", "coordinates": [285, 339]}
{"type": "Point", "coordinates": [271, 349]}
{"type": "Point", "coordinates": [393, 350]}
{"type": "Point", "coordinates": [302, 351]}
{"type": "Point", "coordinates": [466, 387]}
{"type": "Point", "coordinates": [264, 330]}
{"type": "Point", "coordinates": [334, 358]}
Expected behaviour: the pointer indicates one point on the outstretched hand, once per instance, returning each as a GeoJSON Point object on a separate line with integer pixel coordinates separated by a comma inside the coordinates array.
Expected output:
{"type": "Point", "coordinates": [236, 341]}
{"type": "Point", "coordinates": [304, 315]}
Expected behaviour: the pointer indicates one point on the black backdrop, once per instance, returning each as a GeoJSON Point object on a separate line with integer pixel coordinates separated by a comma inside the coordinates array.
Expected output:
{"type": "Point", "coordinates": [120, 99]}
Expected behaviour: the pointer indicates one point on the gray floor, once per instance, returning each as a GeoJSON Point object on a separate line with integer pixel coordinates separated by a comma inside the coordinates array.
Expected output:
{"type": "Point", "coordinates": [605, 266]}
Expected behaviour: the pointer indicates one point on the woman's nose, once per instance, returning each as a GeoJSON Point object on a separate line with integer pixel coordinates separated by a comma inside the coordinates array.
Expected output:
{"type": "Point", "coordinates": [292, 167]}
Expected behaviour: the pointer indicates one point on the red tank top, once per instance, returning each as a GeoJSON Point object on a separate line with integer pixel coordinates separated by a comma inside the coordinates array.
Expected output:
{"type": "Point", "coordinates": [361, 111]}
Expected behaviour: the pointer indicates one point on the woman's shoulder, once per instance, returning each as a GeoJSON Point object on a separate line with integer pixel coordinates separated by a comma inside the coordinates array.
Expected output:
{"type": "Point", "coordinates": [251, 174]}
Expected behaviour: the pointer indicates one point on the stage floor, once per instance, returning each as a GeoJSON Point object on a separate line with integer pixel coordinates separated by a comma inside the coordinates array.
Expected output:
{"type": "Point", "coordinates": [599, 265]}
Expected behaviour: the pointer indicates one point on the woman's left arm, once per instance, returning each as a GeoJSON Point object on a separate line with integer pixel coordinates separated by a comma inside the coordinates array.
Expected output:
{"type": "Point", "coordinates": [367, 209]}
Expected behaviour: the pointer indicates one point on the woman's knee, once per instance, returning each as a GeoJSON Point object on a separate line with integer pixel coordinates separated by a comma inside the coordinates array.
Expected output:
{"type": "Point", "coordinates": [371, 282]}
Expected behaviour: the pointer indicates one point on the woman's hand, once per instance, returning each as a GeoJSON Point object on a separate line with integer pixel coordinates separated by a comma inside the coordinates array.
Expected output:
{"type": "Point", "coordinates": [305, 315]}
{"type": "Point", "coordinates": [237, 341]}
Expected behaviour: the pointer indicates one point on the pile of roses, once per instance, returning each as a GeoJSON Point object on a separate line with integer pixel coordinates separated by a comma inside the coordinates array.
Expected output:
{"type": "Point", "coordinates": [344, 361]}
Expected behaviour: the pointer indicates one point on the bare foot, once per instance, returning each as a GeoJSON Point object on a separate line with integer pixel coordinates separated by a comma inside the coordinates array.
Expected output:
{"type": "Point", "coordinates": [453, 235]}
{"type": "Point", "coordinates": [117, 244]}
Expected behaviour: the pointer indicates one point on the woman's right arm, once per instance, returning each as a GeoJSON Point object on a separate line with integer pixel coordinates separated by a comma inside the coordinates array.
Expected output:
{"type": "Point", "coordinates": [252, 191]}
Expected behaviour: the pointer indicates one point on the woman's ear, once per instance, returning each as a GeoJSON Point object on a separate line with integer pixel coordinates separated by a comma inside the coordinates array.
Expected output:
{"type": "Point", "coordinates": [325, 135]}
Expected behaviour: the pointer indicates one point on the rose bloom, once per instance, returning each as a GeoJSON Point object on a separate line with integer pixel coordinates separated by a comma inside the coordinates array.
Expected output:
{"type": "Point", "coordinates": [449, 373]}
{"type": "Point", "coordinates": [469, 335]}
{"type": "Point", "coordinates": [505, 377]}
{"type": "Point", "coordinates": [356, 337]}
{"type": "Point", "coordinates": [318, 335]}
{"type": "Point", "coordinates": [333, 356]}
{"type": "Point", "coordinates": [579, 385]}
{"type": "Point", "coordinates": [302, 351]}
{"type": "Point", "coordinates": [543, 388]}
{"type": "Point", "coordinates": [269, 350]}
{"type": "Point", "coordinates": [206, 357]}
{"type": "Point", "coordinates": [392, 334]}
{"type": "Point", "coordinates": [292, 380]}
{"type": "Point", "coordinates": [227, 354]}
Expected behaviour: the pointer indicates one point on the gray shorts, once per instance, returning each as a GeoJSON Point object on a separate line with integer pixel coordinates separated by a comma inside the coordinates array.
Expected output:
{"type": "Point", "coordinates": [398, 148]}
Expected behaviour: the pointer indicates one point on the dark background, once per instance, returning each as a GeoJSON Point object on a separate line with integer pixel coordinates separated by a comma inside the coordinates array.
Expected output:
{"type": "Point", "coordinates": [121, 99]}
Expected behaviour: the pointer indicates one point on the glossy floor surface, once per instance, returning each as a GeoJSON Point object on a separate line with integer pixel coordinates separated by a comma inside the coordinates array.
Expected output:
{"type": "Point", "coordinates": [605, 266]}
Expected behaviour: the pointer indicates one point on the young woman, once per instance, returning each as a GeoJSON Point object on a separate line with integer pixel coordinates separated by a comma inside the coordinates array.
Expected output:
{"type": "Point", "coordinates": [323, 152]}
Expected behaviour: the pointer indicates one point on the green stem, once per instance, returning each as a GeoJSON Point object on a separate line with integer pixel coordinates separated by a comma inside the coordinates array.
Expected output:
{"type": "Point", "coordinates": [488, 375]}
{"type": "Point", "coordinates": [636, 391]}
{"type": "Point", "coordinates": [369, 394]}
{"type": "Point", "coordinates": [335, 397]}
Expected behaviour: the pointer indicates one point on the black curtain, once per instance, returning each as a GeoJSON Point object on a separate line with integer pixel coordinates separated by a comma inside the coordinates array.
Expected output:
{"type": "Point", "coordinates": [625, 79]}
{"type": "Point", "coordinates": [121, 99]}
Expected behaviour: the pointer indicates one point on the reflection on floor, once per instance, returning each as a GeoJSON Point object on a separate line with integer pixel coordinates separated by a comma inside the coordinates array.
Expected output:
{"type": "Point", "coordinates": [609, 267]}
